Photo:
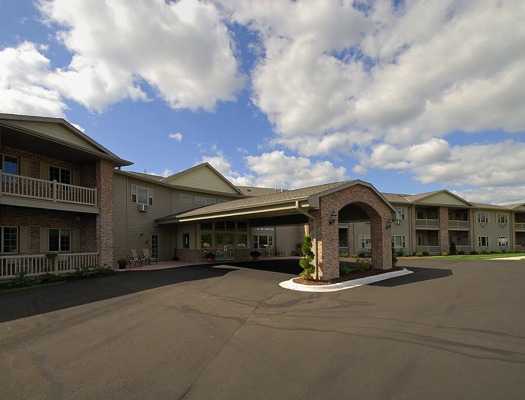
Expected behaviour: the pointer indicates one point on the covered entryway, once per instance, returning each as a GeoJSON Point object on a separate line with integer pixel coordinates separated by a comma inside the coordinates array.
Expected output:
{"type": "Point", "coordinates": [318, 209]}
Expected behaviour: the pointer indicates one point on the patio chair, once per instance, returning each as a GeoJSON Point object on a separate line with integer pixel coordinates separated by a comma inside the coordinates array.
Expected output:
{"type": "Point", "coordinates": [148, 259]}
{"type": "Point", "coordinates": [134, 258]}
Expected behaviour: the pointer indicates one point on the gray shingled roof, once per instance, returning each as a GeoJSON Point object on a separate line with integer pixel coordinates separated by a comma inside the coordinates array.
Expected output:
{"type": "Point", "coordinates": [269, 199]}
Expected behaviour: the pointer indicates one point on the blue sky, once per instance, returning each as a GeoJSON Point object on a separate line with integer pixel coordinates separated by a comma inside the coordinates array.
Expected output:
{"type": "Point", "coordinates": [283, 101]}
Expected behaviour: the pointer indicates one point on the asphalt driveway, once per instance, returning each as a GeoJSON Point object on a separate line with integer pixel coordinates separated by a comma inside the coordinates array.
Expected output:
{"type": "Point", "coordinates": [449, 331]}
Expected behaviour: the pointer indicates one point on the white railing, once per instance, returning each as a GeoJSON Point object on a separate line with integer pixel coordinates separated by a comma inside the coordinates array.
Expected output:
{"type": "Point", "coordinates": [458, 224]}
{"type": "Point", "coordinates": [427, 223]}
{"type": "Point", "coordinates": [432, 250]}
{"type": "Point", "coordinates": [39, 264]}
{"type": "Point", "coordinates": [519, 226]}
{"type": "Point", "coordinates": [25, 186]}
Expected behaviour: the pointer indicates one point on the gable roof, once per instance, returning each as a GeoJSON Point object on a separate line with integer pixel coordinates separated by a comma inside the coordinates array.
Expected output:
{"type": "Point", "coordinates": [173, 178]}
{"type": "Point", "coordinates": [310, 194]}
{"type": "Point", "coordinates": [418, 198]}
{"type": "Point", "coordinates": [251, 191]}
{"type": "Point", "coordinates": [28, 124]}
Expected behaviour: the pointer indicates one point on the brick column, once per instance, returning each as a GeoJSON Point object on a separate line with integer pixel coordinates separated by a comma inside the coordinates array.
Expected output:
{"type": "Point", "coordinates": [381, 235]}
{"type": "Point", "coordinates": [443, 229]}
{"type": "Point", "coordinates": [105, 217]}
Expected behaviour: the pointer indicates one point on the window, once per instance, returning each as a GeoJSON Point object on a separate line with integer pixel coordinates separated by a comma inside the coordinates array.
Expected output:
{"type": "Point", "coordinates": [141, 195]}
{"type": "Point", "coordinates": [8, 239]}
{"type": "Point", "coordinates": [483, 241]}
{"type": "Point", "coordinates": [398, 241]}
{"type": "Point", "coordinates": [343, 237]}
{"type": "Point", "coordinates": [366, 242]}
{"type": "Point", "coordinates": [503, 242]}
{"type": "Point", "coordinates": [400, 214]}
{"type": "Point", "coordinates": [483, 218]}
{"type": "Point", "coordinates": [155, 246]}
{"type": "Point", "coordinates": [185, 240]}
{"type": "Point", "coordinates": [61, 175]}
{"type": "Point", "coordinates": [59, 240]}
{"type": "Point", "coordinates": [503, 219]}
{"type": "Point", "coordinates": [206, 240]}
{"type": "Point", "coordinates": [10, 164]}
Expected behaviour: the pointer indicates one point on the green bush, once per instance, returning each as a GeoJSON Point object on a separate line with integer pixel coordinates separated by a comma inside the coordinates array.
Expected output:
{"type": "Point", "coordinates": [345, 269]}
{"type": "Point", "coordinates": [453, 249]}
{"type": "Point", "coordinates": [473, 252]}
{"type": "Point", "coordinates": [426, 254]}
{"type": "Point", "coordinates": [461, 252]}
{"type": "Point", "coordinates": [306, 262]}
{"type": "Point", "coordinates": [394, 258]}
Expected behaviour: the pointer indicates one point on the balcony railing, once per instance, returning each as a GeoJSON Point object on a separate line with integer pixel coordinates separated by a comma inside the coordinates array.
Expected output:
{"type": "Point", "coordinates": [458, 224]}
{"type": "Point", "coordinates": [427, 223]}
{"type": "Point", "coordinates": [39, 264]}
{"type": "Point", "coordinates": [519, 226]}
{"type": "Point", "coordinates": [41, 189]}
{"type": "Point", "coordinates": [432, 250]}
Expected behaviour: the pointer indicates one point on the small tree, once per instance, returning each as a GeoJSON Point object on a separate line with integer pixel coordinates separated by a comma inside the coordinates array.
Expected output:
{"type": "Point", "coordinates": [306, 262]}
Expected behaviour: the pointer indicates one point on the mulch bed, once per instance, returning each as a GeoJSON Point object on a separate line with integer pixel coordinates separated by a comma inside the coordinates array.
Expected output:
{"type": "Point", "coordinates": [348, 277]}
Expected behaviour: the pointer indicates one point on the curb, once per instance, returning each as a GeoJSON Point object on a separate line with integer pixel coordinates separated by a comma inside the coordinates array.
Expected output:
{"type": "Point", "coordinates": [336, 287]}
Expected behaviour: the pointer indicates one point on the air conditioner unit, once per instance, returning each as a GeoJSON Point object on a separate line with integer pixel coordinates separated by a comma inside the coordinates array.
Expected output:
{"type": "Point", "coordinates": [142, 207]}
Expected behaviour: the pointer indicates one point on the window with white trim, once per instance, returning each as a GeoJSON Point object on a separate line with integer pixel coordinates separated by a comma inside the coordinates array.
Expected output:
{"type": "Point", "coordinates": [483, 218]}
{"type": "Point", "coordinates": [365, 241]}
{"type": "Point", "coordinates": [59, 240]}
{"type": "Point", "coordinates": [503, 241]}
{"type": "Point", "coordinates": [141, 195]}
{"type": "Point", "coordinates": [483, 241]}
{"type": "Point", "coordinates": [398, 241]}
{"type": "Point", "coordinates": [10, 164]}
{"type": "Point", "coordinates": [8, 239]}
{"type": "Point", "coordinates": [400, 214]}
{"type": "Point", "coordinates": [503, 219]}
{"type": "Point", "coordinates": [59, 174]}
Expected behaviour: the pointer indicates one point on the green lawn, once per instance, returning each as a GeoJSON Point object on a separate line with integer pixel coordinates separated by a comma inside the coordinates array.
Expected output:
{"type": "Point", "coordinates": [468, 257]}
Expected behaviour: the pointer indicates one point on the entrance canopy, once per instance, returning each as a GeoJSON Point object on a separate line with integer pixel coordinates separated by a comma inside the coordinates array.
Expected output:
{"type": "Point", "coordinates": [287, 207]}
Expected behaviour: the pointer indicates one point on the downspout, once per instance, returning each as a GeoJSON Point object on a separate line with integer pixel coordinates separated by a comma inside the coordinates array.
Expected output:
{"type": "Point", "coordinates": [311, 217]}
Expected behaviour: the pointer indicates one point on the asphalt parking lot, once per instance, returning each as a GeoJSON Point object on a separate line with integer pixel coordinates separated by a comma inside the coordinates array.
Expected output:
{"type": "Point", "coordinates": [451, 330]}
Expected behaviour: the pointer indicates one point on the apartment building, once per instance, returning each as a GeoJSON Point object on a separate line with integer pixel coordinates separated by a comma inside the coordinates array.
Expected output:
{"type": "Point", "coordinates": [432, 222]}
{"type": "Point", "coordinates": [66, 203]}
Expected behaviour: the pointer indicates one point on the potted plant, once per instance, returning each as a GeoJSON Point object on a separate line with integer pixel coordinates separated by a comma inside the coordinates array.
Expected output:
{"type": "Point", "coordinates": [210, 257]}
{"type": "Point", "coordinates": [122, 263]}
{"type": "Point", "coordinates": [255, 254]}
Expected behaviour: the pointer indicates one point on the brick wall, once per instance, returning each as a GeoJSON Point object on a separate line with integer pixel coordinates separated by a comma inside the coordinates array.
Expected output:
{"type": "Point", "coordinates": [104, 232]}
{"type": "Point", "coordinates": [326, 238]}
{"type": "Point", "coordinates": [33, 224]}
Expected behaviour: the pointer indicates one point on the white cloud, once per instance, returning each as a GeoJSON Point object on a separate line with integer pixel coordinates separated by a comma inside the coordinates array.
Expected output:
{"type": "Point", "coordinates": [335, 76]}
{"type": "Point", "coordinates": [182, 49]}
{"type": "Point", "coordinates": [495, 195]}
{"type": "Point", "coordinates": [479, 165]}
{"type": "Point", "coordinates": [24, 89]}
{"type": "Point", "coordinates": [178, 136]}
{"type": "Point", "coordinates": [278, 170]}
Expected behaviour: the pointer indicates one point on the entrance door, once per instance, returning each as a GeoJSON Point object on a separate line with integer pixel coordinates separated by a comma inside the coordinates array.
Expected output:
{"type": "Point", "coordinates": [185, 240]}
{"type": "Point", "coordinates": [263, 242]}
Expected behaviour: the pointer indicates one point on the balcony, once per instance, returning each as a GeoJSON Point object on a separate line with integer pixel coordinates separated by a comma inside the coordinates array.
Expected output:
{"type": "Point", "coordinates": [40, 264]}
{"type": "Point", "coordinates": [427, 223]}
{"type": "Point", "coordinates": [459, 224]}
{"type": "Point", "coordinates": [32, 192]}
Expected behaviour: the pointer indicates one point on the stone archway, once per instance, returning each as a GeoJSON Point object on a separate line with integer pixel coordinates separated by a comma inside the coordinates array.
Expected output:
{"type": "Point", "coordinates": [324, 227]}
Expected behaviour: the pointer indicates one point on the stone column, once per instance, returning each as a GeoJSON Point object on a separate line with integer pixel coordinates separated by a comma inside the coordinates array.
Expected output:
{"type": "Point", "coordinates": [443, 229]}
{"type": "Point", "coordinates": [104, 176]}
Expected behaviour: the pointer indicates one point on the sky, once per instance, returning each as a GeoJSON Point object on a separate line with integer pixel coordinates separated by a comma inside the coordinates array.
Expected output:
{"type": "Point", "coordinates": [410, 95]}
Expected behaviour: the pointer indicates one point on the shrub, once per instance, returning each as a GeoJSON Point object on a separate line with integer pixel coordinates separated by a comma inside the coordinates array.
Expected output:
{"type": "Point", "coordinates": [453, 250]}
{"type": "Point", "coordinates": [362, 255]}
{"type": "Point", "coordinates": [419, 254]}
{"type": "Point", "coordinates": [461, 252]}
{"type": "Point", "coordinates": [211, 256]}
{"type": "Point", "coordinates": [254, 254]}
{"type": "Point", "coordinates": [426, 254]}
{"type": "Point", "coordinates": [345, 269]}
{"type": "Point", "coordinates": [306, 262]}
{"type": "Point", "coordinates": [400, 253]}
{"type": "Point", "coordinates": [473, 252]}
{"type": "Point", "coordinates": [484, 252]}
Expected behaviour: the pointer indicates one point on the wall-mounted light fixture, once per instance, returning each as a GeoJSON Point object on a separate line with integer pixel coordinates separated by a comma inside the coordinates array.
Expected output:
{"type": "Point", "coordinates": [332, 218]}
